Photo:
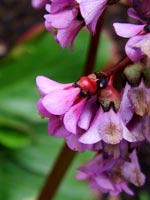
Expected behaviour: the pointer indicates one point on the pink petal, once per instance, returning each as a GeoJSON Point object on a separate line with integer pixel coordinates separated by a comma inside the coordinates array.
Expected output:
{"type": "Point", "coordinates": [133, 14]}
{"type": "Point", "coordinates": [126, 109]}
{"type": "Point", "coordinates": [59, 102]}
{"type": "Point", "coordinates": [127, 135]}
{"type": "Point", "coordinates": [58, 5]}
{"type": "Point", "coordinates": [65, 18]}
{"type": "Point", "coordinates": [133, 52]}
{"type": "Point", "coordinates": [72, 116]}
{"type": "Point", "coordinates": [46, 85]}
{"type": "Point", "coordinates": [110, 127]}
{"type": "Point", "coordinates": [92, 135]}
{"type": "Point", "coordinates": [67, 35]}
{"type": "Point", "coordinates": [42, 109]}
{"type": "Point", "coordinates": [91, 11]}
{"type": "Point", "coordinates": [104, 182]}
{"type": "Point", "coordinates": [87, 114]}
{"type": "Point", "coordinates": [74, 144]}
{"type": "Point", "coordinates": [56, 128]}
{"type": "Point", "coordinates": [127, 30]}
{"type": "Point", "coordinates": [126, 189]}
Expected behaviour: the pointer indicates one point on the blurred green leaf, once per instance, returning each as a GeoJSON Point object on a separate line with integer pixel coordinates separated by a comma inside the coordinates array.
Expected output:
{"type": "Point", "coordinates": [12, 139]}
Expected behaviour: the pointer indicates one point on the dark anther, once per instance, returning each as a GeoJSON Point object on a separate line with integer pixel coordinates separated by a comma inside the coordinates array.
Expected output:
{"type": "Point", "coordinates": [79, 17]}
{"type": "Point", "coordinates": [147, 28]}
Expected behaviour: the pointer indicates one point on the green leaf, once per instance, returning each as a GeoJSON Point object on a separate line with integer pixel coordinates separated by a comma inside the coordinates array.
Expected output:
{"type": "Point", "coordinates": [12, 139]}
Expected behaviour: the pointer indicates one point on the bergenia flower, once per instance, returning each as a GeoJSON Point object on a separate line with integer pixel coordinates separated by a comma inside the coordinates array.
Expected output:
{"type": "Point", "coordinates": [107, 127]}
{"type": "Point", "coordinates": [131, 170]}
{"type": "Point", "coordinates": [63, 21]}
{"type": "Point", "coordinates": [111, 175]}
{"type": "Point", "coordinates": [140, 99]}
{"type": "Point", "coordinates": [91, 11]}
{"type": "Point", "coordinates": [139, 126]}
{"type": "Point", "coordinates": [126, 107]}
{"type": "Point", "coordinates": [37, 4]}
{"type": "Point", "coordinates": [138, 35]}
{"type": "Point", "coordinates": [67, 101]}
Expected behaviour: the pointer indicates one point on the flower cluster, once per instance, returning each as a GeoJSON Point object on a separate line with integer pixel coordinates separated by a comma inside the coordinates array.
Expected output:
{"type": "Point", "coordinates": [66, 18]}
{"type": "Point", "coordinates": [111, 175]}
{"type": "Point", "coordinates": [139, 43]}
{"type": "Point", "coordinates": [91, 114]}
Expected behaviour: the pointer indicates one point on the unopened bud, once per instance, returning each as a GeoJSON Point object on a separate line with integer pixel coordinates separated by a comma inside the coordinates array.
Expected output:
{"type": "Point", "coordinates": [108, 97]}
{"type": "Point", "coordinates": [146, 76]}
{"type": "Point", "coordinates": [133, 73]}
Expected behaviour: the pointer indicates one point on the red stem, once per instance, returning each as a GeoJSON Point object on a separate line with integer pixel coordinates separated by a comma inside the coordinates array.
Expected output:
{"type": "Point", "coordinates": [118, 67]}
{"type": "Point", "coordinates": [54, 179]}
{"type": "Point", "coordinates": [93, 48]}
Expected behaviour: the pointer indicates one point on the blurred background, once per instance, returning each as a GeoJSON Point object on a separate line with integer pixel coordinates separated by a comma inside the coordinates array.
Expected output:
{"type": "Point", "coordinates": [27, 153]}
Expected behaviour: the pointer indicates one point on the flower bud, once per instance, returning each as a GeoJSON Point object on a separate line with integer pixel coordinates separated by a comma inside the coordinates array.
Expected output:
{"type": "Point", "coordinates": [133, 73]}
{"type": "Point", "coordinates": [146, 76]}
{"type": "Point", "coordinates": [109, 97]}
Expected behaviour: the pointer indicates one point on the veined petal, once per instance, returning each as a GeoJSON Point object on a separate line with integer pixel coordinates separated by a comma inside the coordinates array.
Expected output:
{"type": "Point", "coordinates": [110, 127]}
{"type": "Point", "coordinates": [92, 135]}
{"type": "Point", "coordinates": [58, 102]}
{"type": "Point", "coordinates": [72, 116]}
{"type": "Point", "coordinates": [46, 85]}
{"type": "Point", "coordinates": [127, 135]}
{"type": "Point", "coordinates": [58, 5]}
{"type": "Point", "coordinates": [87, 114]}
{"type": "Point", "coordinates": [133, 14]}
{"type": "Point", "coordinates": [133, 52]}
{"type": "Point", "coordinates": [126, 109]}
{"type": "Point", "coordinates": [65, 18]}
{"type": "Point", "coordinates": [127, 30]}
{"type": "Point", "coordinates": [42, 109]}
{"type": "Point", "coordinates": [91, 11]}
{"type": "Point", "coordinates": [67, 35]}
{"type": "Point", "coordinates": [56, 128]}
{"type": "Point", "coordinates": [74, 144]}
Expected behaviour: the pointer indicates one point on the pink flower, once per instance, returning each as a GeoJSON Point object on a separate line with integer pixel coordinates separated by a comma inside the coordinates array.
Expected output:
{"type": "Point", "coordinates": [140, 99]}
{"type": "Point", "coordinates": [107, 127]}
{"type": "Point", "coordinates": [139, 34]}
{"type": "Point", "coordinates": [91, 11]}
{"type": "Point", "coordinates": [111, 175]}
{"type": "Point", "coordinates": [63, 21]}
{"type": "Point", "coordinates": [126, 107]}
{"type": "Point", "coordinates": [65, 102]}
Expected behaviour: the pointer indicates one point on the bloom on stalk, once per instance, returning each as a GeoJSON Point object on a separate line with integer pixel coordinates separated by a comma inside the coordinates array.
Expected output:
{"type": "Point", "coordinates": [65, 18]}
{"type": "Point", "coordinates": [92, 10]}
{"type": "Point", "coordinates": [112, 176]}
{"type": "Point", "coordinates": [138, 34]}
{"type": "Point", "coordinates": [63, 21]}
{"type": "Point", "coordinates": [107, 124]}
{"type": "Point", "coordinates": [69, 100]}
